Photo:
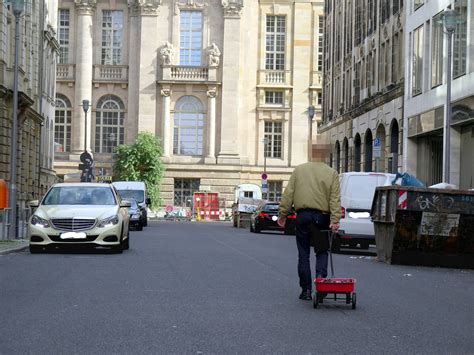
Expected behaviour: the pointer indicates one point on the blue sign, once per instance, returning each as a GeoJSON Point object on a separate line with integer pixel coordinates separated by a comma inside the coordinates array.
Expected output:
{"type": "Point", "coordinates": [377, 142]}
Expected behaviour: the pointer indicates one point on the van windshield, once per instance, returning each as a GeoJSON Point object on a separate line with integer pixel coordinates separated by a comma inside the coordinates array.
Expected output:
{"type": "Point", "coordinates": [137, 195]}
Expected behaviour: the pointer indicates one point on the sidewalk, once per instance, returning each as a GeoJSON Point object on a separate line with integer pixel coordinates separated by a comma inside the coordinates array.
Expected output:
{"type": "Point", "coordinates": [12, 246]}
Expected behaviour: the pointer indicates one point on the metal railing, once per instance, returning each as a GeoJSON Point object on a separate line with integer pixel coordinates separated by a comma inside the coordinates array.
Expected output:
{"type": "Point", "coordinates": [23, 216]}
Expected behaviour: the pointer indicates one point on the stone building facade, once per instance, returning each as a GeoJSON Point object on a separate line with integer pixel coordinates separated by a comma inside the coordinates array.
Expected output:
{"type": "Point", "coordinates": [211, 78]}
{"type": "Point", "coordinates": [38, 52]}
{"type": "Point", "coordinates": [425, 92]}
{"type": "Point", "coordinates": [363, 84]}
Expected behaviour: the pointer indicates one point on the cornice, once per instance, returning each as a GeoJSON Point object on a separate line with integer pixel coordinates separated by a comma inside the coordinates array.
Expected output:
{"type": "Point", "coordinates": [144, 7]}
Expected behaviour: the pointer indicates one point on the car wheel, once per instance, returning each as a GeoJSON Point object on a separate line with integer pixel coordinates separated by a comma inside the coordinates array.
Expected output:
{"type": "Point", "coordinates": [126, 243]}
{"type": "Point", "coordinates": [145, 222]}
{"type": "Point", "coordinates": [140, 227]}
{"type": "Point", "coordinates": [252, 229]}
{"type": "Point", "coordinates": [364, 245]}
{"type": "Point", "coordinates": [36, 249]}
{"type": "Point", "coordinates": [257, 229]}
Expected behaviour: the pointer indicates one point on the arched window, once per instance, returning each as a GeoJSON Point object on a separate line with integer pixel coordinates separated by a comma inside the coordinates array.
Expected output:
{"type": "Point", "coordinates": [62, 124]}
{"type": "Point", "coordinates": [188, 127]}
{"type": "Point", "coordinates": [345, 148]}
{"type": "Point", "coordinates": [394, 146]}
{"type": "Point", "coordinates": [109, 124]}
{"type": "Point", "coordinates": [338, 157]}
{"type": "Point", "coordinates": [368, 150]}
{"type": "Point", "coordinates": [357, 151]}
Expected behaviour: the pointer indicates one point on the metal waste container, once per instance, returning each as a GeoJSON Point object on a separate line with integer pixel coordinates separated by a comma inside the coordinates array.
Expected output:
{"type": "Point", "coordinates": [424, 226]}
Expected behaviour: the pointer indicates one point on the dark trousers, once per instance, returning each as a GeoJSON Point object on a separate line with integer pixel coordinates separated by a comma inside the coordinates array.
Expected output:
{"type": "Point", "coordinates": [304, 218]}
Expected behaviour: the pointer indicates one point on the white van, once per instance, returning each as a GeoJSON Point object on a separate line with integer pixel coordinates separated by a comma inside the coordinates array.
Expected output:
{"type": "Point", "coordinates": [357, 193]}
{"type": "Point", "coordinates": [134, 190]}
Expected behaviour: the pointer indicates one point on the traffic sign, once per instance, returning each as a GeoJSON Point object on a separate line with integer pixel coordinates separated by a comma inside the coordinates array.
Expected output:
{"type": "Point", "coordinates": [264, 176]}
{"type": "Point", "coordinates": [377, 148]}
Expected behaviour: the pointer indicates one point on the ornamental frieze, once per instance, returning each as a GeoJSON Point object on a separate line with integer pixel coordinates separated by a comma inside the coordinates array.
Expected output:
{"type": "Point", "coordinates": [144, 7]}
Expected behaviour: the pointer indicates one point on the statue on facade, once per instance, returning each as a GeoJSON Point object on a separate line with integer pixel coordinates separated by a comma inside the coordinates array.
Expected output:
{"type": "Point", "coordinates": [214, 55]}
{"type": "Point", "coordinates": [167, 53]}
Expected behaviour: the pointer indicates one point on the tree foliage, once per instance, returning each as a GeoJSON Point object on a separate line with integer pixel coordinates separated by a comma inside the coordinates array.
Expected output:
{"type": "Point", "coordinates": [141, 161]}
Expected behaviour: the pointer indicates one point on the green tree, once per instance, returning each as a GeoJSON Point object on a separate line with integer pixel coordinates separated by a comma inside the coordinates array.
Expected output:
{"type": "Point", "coordinates": [141, 161]}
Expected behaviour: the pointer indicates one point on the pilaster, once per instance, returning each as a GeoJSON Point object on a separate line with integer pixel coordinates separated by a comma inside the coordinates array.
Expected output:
{"type": "Point", "coordinates": [166, 95]}
{"type": "Point", "coordinates": [212, 94]}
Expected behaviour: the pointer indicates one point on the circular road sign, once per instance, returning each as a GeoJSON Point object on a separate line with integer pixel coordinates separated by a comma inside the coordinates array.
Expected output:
{"type": "Point", "coordinates": [264, 176]}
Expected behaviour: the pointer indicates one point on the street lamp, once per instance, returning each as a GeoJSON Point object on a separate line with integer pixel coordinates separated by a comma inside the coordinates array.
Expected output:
{"type": "Point", "coordinates": [311, 113]}
{"type": "Point", "coordinates": [450, 21]}
{"type": "Point", "coordinates": [85, 107]}
{"type": "Point", "coordinates": [18, 8]}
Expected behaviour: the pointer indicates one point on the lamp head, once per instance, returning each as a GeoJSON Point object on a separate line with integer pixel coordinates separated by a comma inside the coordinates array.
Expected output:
{"type": "Point", "coordinates": [450, 20]}
{"type": "Point", "coordinates": [85, 105]}
{"type": "Point", "coordinates": [311, 111]}
{"type": "Point", "coordinates": [18, 6]}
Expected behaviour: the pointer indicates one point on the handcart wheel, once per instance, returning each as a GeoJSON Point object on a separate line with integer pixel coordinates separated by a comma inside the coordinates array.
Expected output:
{"type": "Point", "coordinates": [348, 298]}
{"type": "Point", "coordinates": [315, 300]}
{"type": "Point", "coordinates": [353, 300]}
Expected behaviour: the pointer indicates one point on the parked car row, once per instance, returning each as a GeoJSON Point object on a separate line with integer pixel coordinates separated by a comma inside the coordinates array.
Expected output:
{"type": "Point", "coordinates": [356, 227]}
{"type": "Point", "coordinates": [92, 214]}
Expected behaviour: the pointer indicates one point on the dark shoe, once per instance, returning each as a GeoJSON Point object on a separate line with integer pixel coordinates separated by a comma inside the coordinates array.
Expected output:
{"type": "Point", "coordinates": [306, 295]}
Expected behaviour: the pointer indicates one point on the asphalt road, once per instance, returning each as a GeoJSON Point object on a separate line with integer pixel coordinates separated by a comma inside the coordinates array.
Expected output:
{"type": "Point", "coordinates": [202, 288]}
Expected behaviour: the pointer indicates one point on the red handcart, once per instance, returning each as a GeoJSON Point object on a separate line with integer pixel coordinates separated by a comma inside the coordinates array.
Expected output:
{"type": "Point", "coordinates": [334, 286]}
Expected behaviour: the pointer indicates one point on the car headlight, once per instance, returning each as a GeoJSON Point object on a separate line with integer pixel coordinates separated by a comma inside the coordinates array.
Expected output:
{"type": "Point", "coordinates": [136, 215]}
{"type": "Point", "coordinates": [39, 222]}
{"type": "Point", "coordinates": [109, 221]}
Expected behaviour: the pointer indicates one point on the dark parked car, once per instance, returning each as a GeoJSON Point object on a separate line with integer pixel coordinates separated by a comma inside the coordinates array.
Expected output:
{"type": "Point", "coordinates": [265, 218]}
{"type": "Point", "coordinates": [136, 215]}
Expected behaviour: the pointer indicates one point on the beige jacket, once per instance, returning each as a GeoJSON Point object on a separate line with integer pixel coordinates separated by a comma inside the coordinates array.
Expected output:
{"type": "Point", "coordinates": [313, 185]}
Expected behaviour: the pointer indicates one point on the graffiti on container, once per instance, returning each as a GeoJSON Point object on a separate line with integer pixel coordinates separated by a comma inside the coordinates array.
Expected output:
{"type": "Point", "coordinates": [434, 202]}
{"type": "Point", "coordinates": [442, 224]}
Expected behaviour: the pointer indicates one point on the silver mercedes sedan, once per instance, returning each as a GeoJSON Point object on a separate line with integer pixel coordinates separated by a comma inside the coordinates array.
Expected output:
{"type": "Point", "coordinates": [80, 214]}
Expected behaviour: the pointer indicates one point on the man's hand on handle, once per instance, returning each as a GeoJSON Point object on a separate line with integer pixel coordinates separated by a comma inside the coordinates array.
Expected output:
{"type": "Point", "coordinates": [334, 227]}
{"type": "Point", "coordinates": [281, 221]}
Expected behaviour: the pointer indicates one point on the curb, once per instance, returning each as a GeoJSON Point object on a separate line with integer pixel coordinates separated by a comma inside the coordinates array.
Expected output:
{"type": "Point", "coordinates": [14, 250]}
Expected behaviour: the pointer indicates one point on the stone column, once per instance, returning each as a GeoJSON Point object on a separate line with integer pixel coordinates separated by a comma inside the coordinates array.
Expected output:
{"type": "Point", "coordinates": [167, 136]}
{"type": "Point", "coordinates": [229, 145]}
{"type": "Point", "coordinates": [211, 116]}
{"type": "Point", "coordinates": [83, 83]}
{"type": "Point", "coordinates": [131, 129]}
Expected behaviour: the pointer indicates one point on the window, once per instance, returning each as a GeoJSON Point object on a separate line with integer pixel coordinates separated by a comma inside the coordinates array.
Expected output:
{"type": "Point", "coordinates": [418, 3]}
{"type": "Point", "coordinates": [112, 37]}
{"type": "Point", "coordinates": [460, 39]}
{"type": "Point", "coordinates": [274, 97]}
{"type": "Point", "coordinates": [320, 42]}
{"type": "Point", "coordinates": [188, 127]}
{"type": "Point", "coordinates": [395, 58]}
{"type": "Point", "coordinates": [437, 50]}
{"type": "Point", "coordinates": [275, 189]}
{"type": "Point", "coordinates": [275, 43]}
{"type": "Point", "coordinates": [320, 98]}
{"type": "Point", "coordinates": [417, 69]}
{"type": "Point", "coordinates": [357, 83]}
{"type": "Point", "coordinates": [184, 190]}
{"type": "Point", "coordinates": [62, 126]}
{"type": "Point", "coordinates": [274, 137]}
{"type": "Point", "coordinates": [63, 36]}
{"type": "Point", "coordinates": [358, 22]}
{"type": "Point", "coordinates": [109, 124]}
{"type": "Point", "coordinates": [190, 38]}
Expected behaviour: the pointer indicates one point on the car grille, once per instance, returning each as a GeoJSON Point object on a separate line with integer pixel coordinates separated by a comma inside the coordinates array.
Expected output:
{"type": "Point", "coordinates": [73, 224]}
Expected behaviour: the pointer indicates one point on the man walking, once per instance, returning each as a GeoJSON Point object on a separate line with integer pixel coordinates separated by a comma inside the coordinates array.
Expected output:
{"type": "Point", "coordinates": [314, 191]}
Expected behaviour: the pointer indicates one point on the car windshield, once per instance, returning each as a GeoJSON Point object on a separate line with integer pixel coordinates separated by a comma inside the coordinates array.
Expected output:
{"type": "Point", "coordinates": [133, 203]}
{"type": "Point", "coordinates": [137, 195]}
{"type": "Point", "coordinates": [79, 195]}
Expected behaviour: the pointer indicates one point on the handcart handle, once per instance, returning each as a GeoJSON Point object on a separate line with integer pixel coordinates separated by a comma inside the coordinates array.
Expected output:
{"type": "Point", "coordinates": [330, 237]}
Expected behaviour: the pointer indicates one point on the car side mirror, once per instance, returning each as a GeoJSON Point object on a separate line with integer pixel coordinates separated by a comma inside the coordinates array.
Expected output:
{"type": "Point", "coordinates": [125, 203]}
{"type": "Point", "coordinates": [148, 201]}
{"type": "Point", "coordinates": [34, 204]}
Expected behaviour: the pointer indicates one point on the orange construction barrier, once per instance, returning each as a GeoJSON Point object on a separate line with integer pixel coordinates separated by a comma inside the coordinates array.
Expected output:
{"type": "Point", "coordinates": [3, 194]}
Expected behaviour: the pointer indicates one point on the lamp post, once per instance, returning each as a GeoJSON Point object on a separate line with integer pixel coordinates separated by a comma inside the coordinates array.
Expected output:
{"type": "Point", "coordinates": [18, 7]}
{"type": "Point", "coordinates": [311, 112]}
{"type": "Point", "coordinates": [449, 20]}
{"type": "Point", "coordinates": [85, 107]}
